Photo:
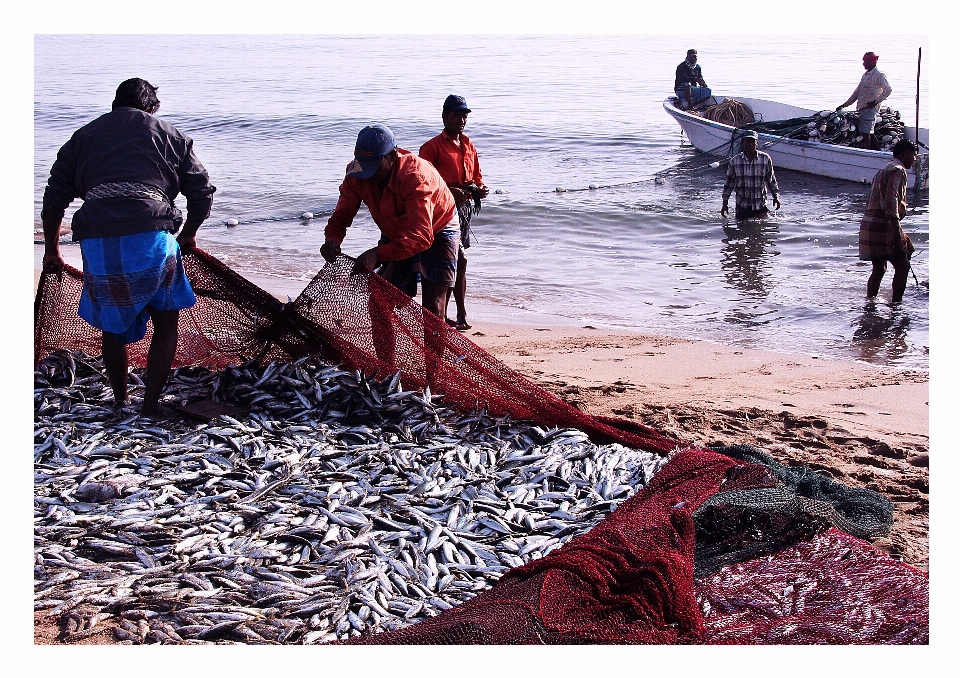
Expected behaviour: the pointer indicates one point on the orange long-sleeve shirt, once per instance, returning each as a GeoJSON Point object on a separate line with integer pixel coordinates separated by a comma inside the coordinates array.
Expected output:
{"type": "Point", "coordinates": [458, 165]}
{"type": "Point", "coordinates": [413, 206]}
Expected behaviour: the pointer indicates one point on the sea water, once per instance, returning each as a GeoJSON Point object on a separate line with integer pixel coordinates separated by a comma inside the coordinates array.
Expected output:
{"type": "Point", "coordinates": [274, 119]}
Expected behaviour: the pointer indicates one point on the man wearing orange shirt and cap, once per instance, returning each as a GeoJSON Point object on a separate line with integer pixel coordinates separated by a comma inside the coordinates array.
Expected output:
{"type": "Point", "coordinates": [873, 89]}
{"type": "Point", "coordinates": [455, 157]}
{"type": "Point", "coordinates": [414, 210]}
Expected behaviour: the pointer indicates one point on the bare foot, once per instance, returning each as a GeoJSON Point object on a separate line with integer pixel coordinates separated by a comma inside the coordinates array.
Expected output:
{"type": "Point", "coordinates": [157, 412]}
{"type": "Point", "coordinates": [462, 324]}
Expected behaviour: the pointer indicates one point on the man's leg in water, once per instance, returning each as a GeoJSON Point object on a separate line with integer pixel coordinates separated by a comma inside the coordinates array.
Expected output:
{"type": "Point", "coordinates": [873, 283]}
{"type": "Point", "coordinates": [901, 268]}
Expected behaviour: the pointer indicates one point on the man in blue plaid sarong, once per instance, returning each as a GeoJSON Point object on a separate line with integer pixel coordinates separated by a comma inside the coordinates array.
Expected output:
{"type": "Point", "coordinates": [128, 166]}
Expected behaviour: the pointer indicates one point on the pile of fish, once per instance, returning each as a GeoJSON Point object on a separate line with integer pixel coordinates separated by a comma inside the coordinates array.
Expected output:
{"type": "Point", "coordinates": [840, 128]}
{"type": "Point", "coordinates": [338, 504]}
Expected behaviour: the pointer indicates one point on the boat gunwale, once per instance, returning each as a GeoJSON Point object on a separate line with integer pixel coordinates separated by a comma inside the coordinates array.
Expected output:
{"type": "Point", "coordinates": [677, 113]}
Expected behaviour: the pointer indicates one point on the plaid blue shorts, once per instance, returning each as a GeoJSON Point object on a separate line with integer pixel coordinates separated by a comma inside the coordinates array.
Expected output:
{"type": "Point", "coordinates": [124, 275]}
{"type": "Point", "coordinates": [438, 264]}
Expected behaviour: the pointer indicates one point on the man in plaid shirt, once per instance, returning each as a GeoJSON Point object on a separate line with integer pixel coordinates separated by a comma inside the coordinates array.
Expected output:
{"type": "Point", "coordinates": [750, 172]}
{"type": "Point", "coordinates": [881, 236]}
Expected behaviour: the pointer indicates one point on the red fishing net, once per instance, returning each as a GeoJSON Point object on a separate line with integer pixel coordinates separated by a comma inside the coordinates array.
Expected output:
{"type": "Point", "coordinates": [357, 320]}
{"type": "Point", "coordinates": [631, 578]}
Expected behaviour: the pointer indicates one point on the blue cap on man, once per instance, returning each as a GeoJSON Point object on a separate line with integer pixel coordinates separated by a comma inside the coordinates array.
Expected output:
{"type": "Point", "coordinates": [373, 142]}
{"type": "Point", "coordinates": [455, 102]}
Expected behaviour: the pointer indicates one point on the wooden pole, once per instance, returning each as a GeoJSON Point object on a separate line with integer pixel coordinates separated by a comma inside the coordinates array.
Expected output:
{"type": "Point", "coordinates": [917, 128]}
{"type": "Point", "coordinates": [918, 183]}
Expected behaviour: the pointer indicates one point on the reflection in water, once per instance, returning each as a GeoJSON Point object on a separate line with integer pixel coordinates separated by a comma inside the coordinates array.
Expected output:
{"type": "Point", "coordinates": [881, 334]}
{"type": "Point", "coordinates": [745, 259]}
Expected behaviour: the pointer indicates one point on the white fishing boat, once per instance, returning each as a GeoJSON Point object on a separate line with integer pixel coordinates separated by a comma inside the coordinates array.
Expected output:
{"type": "Point", "coordinates": [812, 157]}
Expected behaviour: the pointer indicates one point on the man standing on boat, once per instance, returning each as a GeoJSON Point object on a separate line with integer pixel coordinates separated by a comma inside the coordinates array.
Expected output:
{"type": "Point", "coordinates": [750, 173]}
{"type": "Point", "coordinates": [414, 210]}
{"type": "Point", "coordinates": [873, 89]}
{"type": "Point", "coordinates": [128, 166]}
{"type": "Point", "coordinates": [689, 83]}
{"type": "Point", "coordinates": [881, 237]}
{"type": "Point", "coordinates": [455, 157]}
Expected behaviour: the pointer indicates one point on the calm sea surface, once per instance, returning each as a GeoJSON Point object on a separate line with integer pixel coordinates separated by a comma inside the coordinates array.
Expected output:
{"type": "Point", "coordinates": [274, 120]}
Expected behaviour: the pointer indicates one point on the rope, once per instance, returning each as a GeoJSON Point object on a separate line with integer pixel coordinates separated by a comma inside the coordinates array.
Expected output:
{"type": "Point", "coordinates": [730, 112]}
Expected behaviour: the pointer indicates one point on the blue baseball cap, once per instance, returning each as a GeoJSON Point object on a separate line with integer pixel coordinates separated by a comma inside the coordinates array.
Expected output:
{"type": "Point", "coordinates": [373, 142]}
{"type": "Point", "coordinates": [455, 102]}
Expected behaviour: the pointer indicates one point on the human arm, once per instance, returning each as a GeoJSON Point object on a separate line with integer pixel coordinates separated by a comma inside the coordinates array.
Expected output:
{"type": "Point", "coordinates": [771, 179]}
{"type": "Point", "coordinates": [187, 238]}
{"type": "Point", "coordinates": [369, 260]}
{"type": "Point", "coordinates": [52, 259]}
{"type": "Point", "coordinates": [343, 214]}
{"type": "Point", "coordinates": [196, 187]}
{"type": "Point", "coordinates": [728, 188]}
{"type": "Point", "coordinates": [57, 196]}
{"type": "Point", "coordinates": [853, 97]}
{"type": "Point", "coordinates": [885, 90]}
{"type": "Point", "coordinates": [477, 175]}
{"type": "Point", "coordinates": [894, 201]}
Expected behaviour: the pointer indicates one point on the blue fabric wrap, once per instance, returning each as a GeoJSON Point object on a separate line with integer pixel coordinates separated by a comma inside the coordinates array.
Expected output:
{"type": "Point", "coordinates": [124, 275]}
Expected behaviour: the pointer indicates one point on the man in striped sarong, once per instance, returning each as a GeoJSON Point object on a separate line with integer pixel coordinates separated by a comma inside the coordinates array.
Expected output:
{"type": "Point", "coordinates": [881, 237]}
{"type": "Point", "coordinates": [128, 166]}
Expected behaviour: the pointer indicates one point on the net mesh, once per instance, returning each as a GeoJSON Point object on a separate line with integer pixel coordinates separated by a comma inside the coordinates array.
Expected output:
{"type": "Point", "coordinates": [631, 580]}
{"type": "Point", "coordinates": [680, 562]}
{"type": "Point", "coordinates": [358, 320]}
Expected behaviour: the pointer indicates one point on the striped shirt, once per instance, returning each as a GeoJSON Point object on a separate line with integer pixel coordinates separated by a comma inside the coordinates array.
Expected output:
{"type": "Point", "coordinates": [750, 178]}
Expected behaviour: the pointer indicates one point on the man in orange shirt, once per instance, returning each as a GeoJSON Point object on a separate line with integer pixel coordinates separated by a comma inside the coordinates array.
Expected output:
{"type": "Point", "coordinates": [455, 157]}
{"type": "Point", "coordinates": [414, 210]}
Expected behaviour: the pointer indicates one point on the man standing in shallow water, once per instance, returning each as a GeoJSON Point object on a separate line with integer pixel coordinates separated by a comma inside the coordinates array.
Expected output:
{"type": "Point", "coordinates": [128, 166]}
{"type": "Point", "coordinates": [881, 236]}
{"type": "Point", "coordinates": [455, 157]}
{"type": "Point", "coordinates": [750, 172]}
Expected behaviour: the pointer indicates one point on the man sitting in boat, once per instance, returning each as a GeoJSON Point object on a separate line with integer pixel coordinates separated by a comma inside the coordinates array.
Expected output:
{"type": "Point", "coordinates": [881, 236]}
{"type": "Point", "coordinates": [750, 172]}
{"type": "Point", "coordinates": [689, 83]}
{"type": "Point", "coordinates": [873, 89]}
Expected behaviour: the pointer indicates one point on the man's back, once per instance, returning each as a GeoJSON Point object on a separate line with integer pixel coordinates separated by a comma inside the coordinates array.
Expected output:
{"type": "Point", "coordinates": [125, 146]}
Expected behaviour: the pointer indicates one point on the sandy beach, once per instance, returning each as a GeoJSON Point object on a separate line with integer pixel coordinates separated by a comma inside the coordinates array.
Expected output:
{"type": "Point", "coordinates": [863, 425]}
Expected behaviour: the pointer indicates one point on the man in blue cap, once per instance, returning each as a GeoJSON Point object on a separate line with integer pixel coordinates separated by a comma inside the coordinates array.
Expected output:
{"type": "Point", "coordinates": [455, 157]}
{"type": "Point", "coordinates": [750, 173]}
{"type": "Point", "coordinates": [414, 209]}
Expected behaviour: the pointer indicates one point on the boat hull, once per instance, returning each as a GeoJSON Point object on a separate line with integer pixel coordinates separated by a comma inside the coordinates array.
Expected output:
{"type": "Point", "coordinates": [812, 157]}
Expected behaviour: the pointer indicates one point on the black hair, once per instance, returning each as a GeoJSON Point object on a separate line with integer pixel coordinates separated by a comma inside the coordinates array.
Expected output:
{"type": "Point", "coordinates": [137, 93]}
{"type": "Point", "coordinates": [904, 145]}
